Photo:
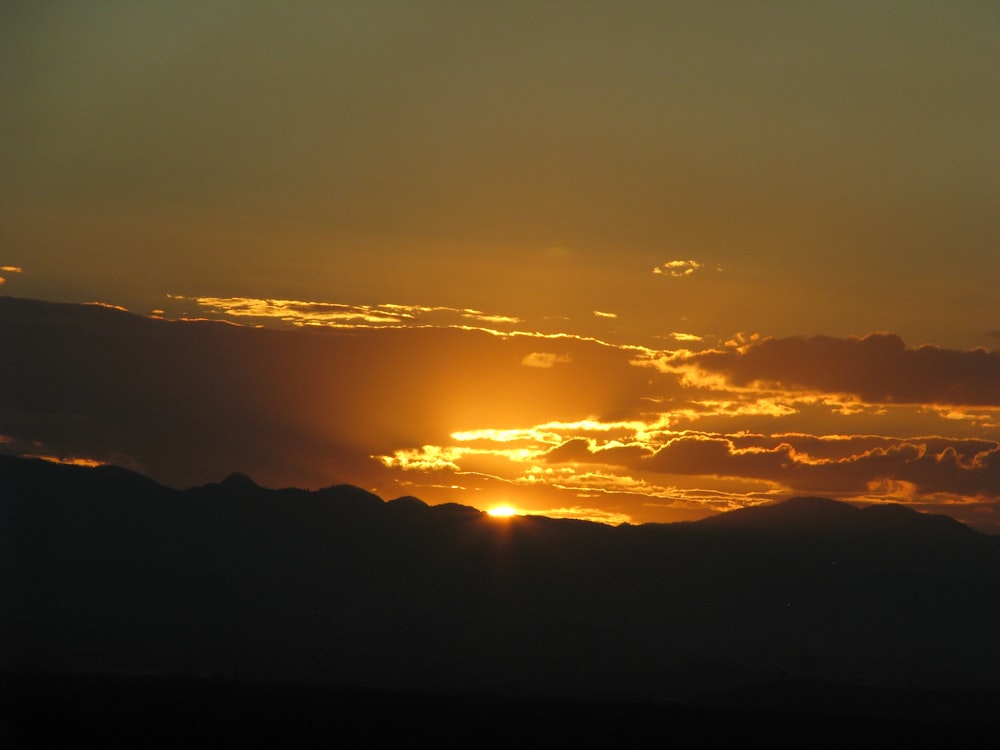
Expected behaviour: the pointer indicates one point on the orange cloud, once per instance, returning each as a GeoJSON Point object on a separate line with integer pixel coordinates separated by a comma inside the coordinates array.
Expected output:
{"type": "Point", "coordinates": [457, 412]}
{"type": "Point", "coordinates": [302, 313]}
{"type": "Point", "coordinates": [677, 269]}
{"type": "Point", "coordinates": [929, 467]}
{"type": "Point", "coordinates": [545, 359]}
{"type": "Point", "coordinates": [108, 305]}
{"type": "Point", "coordinates": [9, 269]}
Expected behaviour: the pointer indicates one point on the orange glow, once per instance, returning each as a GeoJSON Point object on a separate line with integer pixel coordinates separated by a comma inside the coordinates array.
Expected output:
{"type": "Point", "coordinates": [502, 511]}
{"type": "Point", "coordinates": [69, 460]}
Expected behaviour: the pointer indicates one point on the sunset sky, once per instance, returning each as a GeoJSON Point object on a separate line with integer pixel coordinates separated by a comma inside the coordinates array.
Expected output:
{"type": "Point", "coordinates": [637, 261]}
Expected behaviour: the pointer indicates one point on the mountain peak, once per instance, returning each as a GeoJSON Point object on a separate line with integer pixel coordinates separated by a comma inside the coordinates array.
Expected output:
{"type": "Point", "coordinates": [408, 501]}
{"type": "Point", "coordinates": [806, 512]}
{"type": "Point", "coordinates": [825, 516]}
{"type": "Point", "coordinates": [237, 481]}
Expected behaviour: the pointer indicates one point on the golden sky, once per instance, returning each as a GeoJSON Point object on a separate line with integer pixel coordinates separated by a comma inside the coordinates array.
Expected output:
{"type": "Point", "coordinates": [628, 261]}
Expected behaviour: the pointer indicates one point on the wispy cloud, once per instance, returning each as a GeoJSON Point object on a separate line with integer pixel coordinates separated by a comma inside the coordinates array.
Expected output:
{"type": "Point", "coordinates": [9, 269]}
{"type": "Point", "coordinates": [545, 359]}
{"type": "Point", "coordinates": [602, 314]}
{"type": "Point", "coordinates": [301, 313]}
{"type": "Point", "coordinates": [583, 513]}
{"type": "Point", "coordinates": [108, 305]}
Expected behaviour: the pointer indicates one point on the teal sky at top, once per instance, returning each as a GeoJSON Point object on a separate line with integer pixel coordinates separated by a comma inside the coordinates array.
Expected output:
{"type": "Point", "coordinates": [834, 166]}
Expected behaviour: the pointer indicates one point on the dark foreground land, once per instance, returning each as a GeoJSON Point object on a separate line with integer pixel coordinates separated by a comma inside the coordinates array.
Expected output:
{"type": "Point", "coordinates": [41, 711]}
{"type": "Point", "coordinates": [232, 615]}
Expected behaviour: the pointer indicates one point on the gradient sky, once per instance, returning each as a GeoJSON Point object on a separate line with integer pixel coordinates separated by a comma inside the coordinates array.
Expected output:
{"type": "Point", "coordinates": [685, 256]}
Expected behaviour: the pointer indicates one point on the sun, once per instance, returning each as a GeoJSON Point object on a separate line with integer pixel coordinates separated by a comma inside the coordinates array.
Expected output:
{"type": "Point", "coordinates": [502, 511]}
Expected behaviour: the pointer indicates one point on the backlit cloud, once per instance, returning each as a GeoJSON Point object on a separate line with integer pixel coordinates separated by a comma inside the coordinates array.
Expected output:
{"type": "Point", "coordinates": [451, 412]}
{"type": "Point", "coordinates": [9, 269]}
{"type": "Point", "coordinates": [877, 368]}
{"type": "Point", "coordinates": [302, 313]}
{"type": "Point", "coordinates": [677, 268]}
{"type": "Point", "coordinates": [580, 513]}
{"type": "Point", "coordinates": [108, 305]}
{"type": "Point", "coordinates": [482, 317]}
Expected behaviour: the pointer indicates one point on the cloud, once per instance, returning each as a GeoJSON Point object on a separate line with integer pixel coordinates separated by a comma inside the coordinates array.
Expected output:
{"type": "Point", "coordinates": [929, 467]}
{"type": "Point", "coordinates": [193, 401]}
{"type": "Point", "coordinates": [877, 368]}
{"type": "Point", "coordinates": [602, 314]}
{"type": "Point", "coordinates": [302, 313]}
{"type": "Point", "coordinates": [575, 450]}
{"type": "Point", "coordinates": [494, 319]}
{"type": "Point", "coordinates": [108, 305]}
{"type": "Point", "coordinates": [580, 513]}
{"type": "Point", "coordinates": [852, 466]}
{"type": "Point", "coordinates": [545, 359]}
{"type": "Point", "coordinates": [9, 269]}
{"type": "Point", "coordinates": [482, 317]}
{"type": "Point", "coordinates": [677, 269]}
{"type": "Point", "coordinates": [677, 336]}
{"type": "Point", "coordinates": [466, 409]}
{"type": "Point", "coordinates": [56, 454]}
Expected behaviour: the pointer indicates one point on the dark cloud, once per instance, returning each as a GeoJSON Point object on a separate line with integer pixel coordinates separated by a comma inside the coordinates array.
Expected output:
{"type": "Point", "coordinates": [831, 448]}
{"type": "Point", "coordinates": [716, 456]}
{"type": "Point", "coordinates": [576, 450]}
{"type": "Point", "coordinates": [804, 463]}
{"type": "Point", "coordinates": [579, 451]}
{"type": "Point", "coordinates": [194, 401]}
{"type": "Point", "coordinates": [878, 368]}
{"type": "Point", "coordinates": [190, 402]}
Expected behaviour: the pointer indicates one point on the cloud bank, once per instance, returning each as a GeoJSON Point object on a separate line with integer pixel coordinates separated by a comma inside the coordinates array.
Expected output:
{"type": "Point", "coordinates": [470, 414]}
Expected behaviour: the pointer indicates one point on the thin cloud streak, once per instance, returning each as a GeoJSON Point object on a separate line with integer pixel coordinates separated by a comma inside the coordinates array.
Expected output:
{"type": "Point", "coordinates": [545, 359]}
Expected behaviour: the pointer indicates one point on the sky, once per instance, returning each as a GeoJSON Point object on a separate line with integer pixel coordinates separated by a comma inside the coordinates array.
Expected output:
{"type": "Point", "coordinates": [638, 261]}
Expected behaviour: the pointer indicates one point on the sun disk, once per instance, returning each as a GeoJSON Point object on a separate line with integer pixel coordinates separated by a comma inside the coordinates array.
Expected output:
{"type": "Point", "coordinates": [502, 511]}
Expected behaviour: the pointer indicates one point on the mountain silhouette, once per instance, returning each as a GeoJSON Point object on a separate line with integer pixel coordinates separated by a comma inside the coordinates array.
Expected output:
{"type": "Point", "coordinates": [817, 514]}
{"type": "Point", "coordinates": [800, 513]}
{"type": "Point", "coordinates": [239, 482]}
{"type": "Point", "coordinates": [107, 572]}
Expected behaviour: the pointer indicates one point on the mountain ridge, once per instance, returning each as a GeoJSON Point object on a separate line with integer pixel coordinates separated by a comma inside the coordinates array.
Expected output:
{"type": "Point", "coordinates": [803, 512]}
{"type": "Point", "coordinates": [106, 571]}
